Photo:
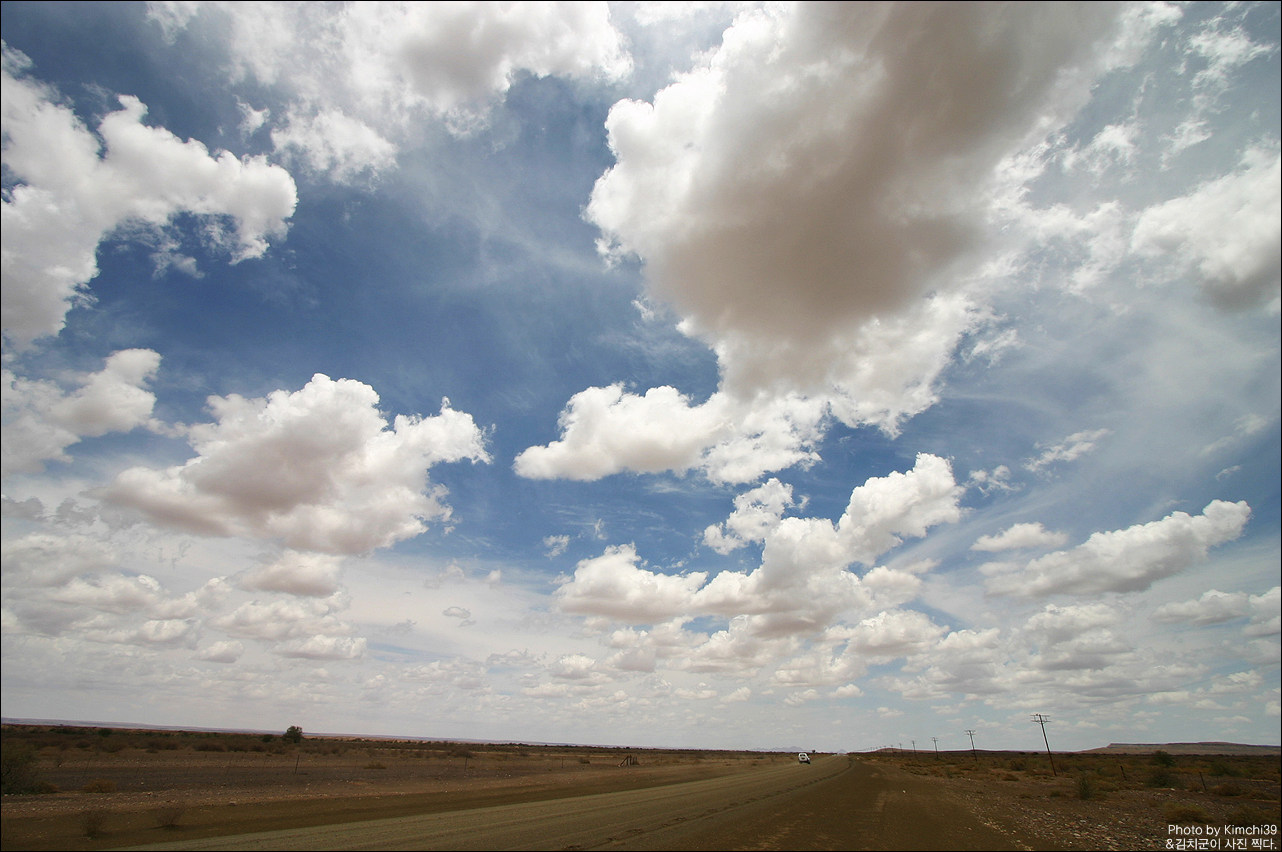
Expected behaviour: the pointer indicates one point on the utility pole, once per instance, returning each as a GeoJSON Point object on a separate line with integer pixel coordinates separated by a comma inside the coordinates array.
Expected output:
{"type": "Point", "coordinates": [935, 740]}
{"type": "Point", "coordinates": [971, 734]}
{"type": "Point", "coordinates": [1042, 720]}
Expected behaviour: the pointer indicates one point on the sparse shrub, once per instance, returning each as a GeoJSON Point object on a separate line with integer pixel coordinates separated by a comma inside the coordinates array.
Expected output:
{"type": "Point", "coordinates": [93, 823]}
{"type": "Point", "coordinates": [1162, 758]}
{"type": "Point", "coordinates": [167, 816]}
{"type": "Point", "coordinates": [17, 768]}
{"type": "Point", "coordinates": [1017, 765]}
{"type": "Point", "coordinates": [293, 734]}
{"type": "Point", "coordinates": [1086, 788]}
{"type": "Point", "coordinates": [1223, 769]}
{"type": "Point", "coordinates": [1185, 815]}
{"type": "Point", "coordinates": [1246, 815]}
{"type": "Point", "coordinates": [210, 745]}
{"type": "Point", "coordinates": [1161, 778]}
{"type": "Point", "coordinates": [374, 764]}
{"type": "Point", "coordinates": [1228, 788]}
{"type": "Point", "coordinates": [585, 760]}
{"type": "Point", "coordinates": [99, 785]}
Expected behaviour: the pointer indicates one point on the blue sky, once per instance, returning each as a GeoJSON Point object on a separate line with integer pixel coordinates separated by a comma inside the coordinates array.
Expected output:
{"type": "Point", "coordinates": [696, 375]}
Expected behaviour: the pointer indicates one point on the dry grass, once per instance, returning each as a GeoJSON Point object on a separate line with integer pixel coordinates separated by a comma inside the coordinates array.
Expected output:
{"type": "Point", "coordinates": [1107, 800]}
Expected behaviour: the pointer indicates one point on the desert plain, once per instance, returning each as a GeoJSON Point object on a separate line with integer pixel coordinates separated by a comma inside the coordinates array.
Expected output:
{"type": "Point", "coordinates": [86, 788]}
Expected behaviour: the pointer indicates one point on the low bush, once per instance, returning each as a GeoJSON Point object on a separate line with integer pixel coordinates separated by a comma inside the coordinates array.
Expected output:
{"type": "Point", "coordinates": [1247, 815]}
{"type": "Point", "coordinates": [167, 816]}
{"type": "Point", "coordinates": [93, 823]}
{"type": "Point", "coordinates": [17, 768]}
{"type": "Point", "coordinates": [99, 785]}
{"type": "Point", "coordinates": [1185, 815]}
{"type": "Point", "coordinates": [1086, 786]}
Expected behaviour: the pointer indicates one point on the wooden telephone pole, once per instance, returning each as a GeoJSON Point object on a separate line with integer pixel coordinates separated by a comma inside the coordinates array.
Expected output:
{"type": "Point", "coordinates": [1042, 720]}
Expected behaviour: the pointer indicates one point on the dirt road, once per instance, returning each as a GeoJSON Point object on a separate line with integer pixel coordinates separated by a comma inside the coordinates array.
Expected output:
{"type": "Point", "coordinates": [839, 802]}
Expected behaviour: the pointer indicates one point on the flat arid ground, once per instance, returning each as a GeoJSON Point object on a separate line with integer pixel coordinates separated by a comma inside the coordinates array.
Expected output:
{"type": "Point", "coordinates": [205, 790]}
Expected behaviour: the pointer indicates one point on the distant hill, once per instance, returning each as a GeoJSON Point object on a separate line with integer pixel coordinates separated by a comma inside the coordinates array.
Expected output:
{"type": "Point", "coordinates": [1186, 748]}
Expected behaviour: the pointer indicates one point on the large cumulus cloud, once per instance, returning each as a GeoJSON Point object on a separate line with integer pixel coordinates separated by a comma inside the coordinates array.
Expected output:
{"type": "Point", "coordinates": [317, 469]}
{"type": "Point", "coordinates": [73, 189]}
{"type": "Point", "coordinates": [356, 78]}
{"type": "Point", "coordinates": [811, 199]}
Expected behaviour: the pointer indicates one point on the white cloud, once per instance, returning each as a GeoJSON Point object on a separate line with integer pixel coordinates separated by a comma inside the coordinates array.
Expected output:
{"type": "Point", "coordinates": [897, 633]}
{"type": "Point", "coordinates": [69, 197]}
{"type": "Point", "coordinates": [41, 421]}
{"type": "Point", "coordinates": [1223, 51]}
{"type": "Point", "coordinates": [824, 166]}
{"type": "Point", "coordinates": [70, 582]}
{"type": "Point", "coordinates": [42, 559]}
{"type": "Point", "coordinates": [1057, 624]}
{"type": "Point", "coordinates": [756, 513]}
{"type": "Point", "coordinates": [297, 620]}
{"type": "Point", "coordinates": [1228, 230]}
{"type": "Point", "coordinates": [613, 585]}
{"type": "Point", "coordinates": [221, 652]}
{"type": "Point", "coordinates": [357, 76]}
{"type": "Point", "coordinates": [1115, 144]}
{"type": "Point", "coordinates": [342, 147]}
{"type": "Point", "coordinates": [802, 585]}
{"type": "Point", "coordinates": [606, 430]}
{"type": "Point", "coordinates": [318, 469]}
{"type": "Point", "coordinates": [307, 574]}
{"type": "Point", "coordinates": [609, 430]}
{"type": "Point", "coordinates": [808, 198]}
{"type": "Point", "coordinates": [324, 648]}
{"type": "Point", "coordinates": [1021, 536]}
{"type": "Point", "coordinates": [1212, 607]}
{"type": "Point", "coordinates": [1125, 560]}
{"type": "Point", "coordinates": [1266, 615]}
{"type": "Point", "coordinates": [114, 593]}
{"type": "Point", "coordinates": [885, 509]}
{"type": "Point", "coordinates": [555, 545]}
{"type": "Point", "coordinates": [1070, 449]}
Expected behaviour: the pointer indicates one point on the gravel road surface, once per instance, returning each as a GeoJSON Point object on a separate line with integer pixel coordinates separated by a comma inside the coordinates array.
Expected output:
{"type": "Point", "coordinates": [838, 802]}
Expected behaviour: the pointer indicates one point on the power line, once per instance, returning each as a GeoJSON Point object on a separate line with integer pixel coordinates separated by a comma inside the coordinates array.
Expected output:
{"type": "Point", "coordinates": [971, 734]}
{"type": "Point", "coordinates": [1042, 720]}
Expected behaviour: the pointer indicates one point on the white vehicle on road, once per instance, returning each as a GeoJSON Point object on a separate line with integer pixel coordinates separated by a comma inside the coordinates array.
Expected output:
{"type": "Point", "coordinates": [802, 757]}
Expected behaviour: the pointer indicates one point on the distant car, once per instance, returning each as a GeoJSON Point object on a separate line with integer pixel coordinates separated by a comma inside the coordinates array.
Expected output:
{"type": "Point", "coordinates": [802, 757]}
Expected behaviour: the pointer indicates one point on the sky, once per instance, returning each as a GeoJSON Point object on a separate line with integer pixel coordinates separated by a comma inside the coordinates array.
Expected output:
{"type": "Point", "coordinates": [685, 375]}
